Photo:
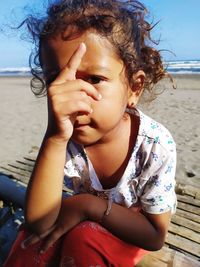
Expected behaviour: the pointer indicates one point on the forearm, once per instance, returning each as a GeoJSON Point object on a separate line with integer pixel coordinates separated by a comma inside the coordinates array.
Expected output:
{"type": "Point", "coordinates": [132, 227]}
{"type": "Point", "coordinates": [44, 193]}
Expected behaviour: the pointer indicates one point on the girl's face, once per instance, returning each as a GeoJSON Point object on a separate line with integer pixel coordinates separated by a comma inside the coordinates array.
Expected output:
{"type": "Point", "coordinates": [101, 67]}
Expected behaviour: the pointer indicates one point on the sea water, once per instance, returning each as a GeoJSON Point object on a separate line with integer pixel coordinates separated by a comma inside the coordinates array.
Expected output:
{"type": "Point", "coordinates": [23, 71]}
{"type": "Point", "coordinates": [174, 67]}
{"type": "Point", "coordinates": [183, 66]}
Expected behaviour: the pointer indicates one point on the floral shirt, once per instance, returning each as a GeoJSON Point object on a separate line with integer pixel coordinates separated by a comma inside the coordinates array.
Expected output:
{"type": "Point", "coordinates": [148, 181]}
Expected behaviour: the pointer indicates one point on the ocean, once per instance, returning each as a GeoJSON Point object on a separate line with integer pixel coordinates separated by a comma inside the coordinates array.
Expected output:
{"type": "Point", "coordinates": [8, 72]}
{"type": "Point", "coordinates": [183, 66]}
{"type": "Point", "coordinates": [174, 67]}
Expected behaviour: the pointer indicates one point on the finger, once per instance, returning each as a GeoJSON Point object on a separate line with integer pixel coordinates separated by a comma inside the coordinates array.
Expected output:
{"type": "Point", "coordinates": [70, 107]}
{"type": "Point", "coordinates": [77, 85]}
{"type": "Point", "coordinates": [71, 96]}
{"type": "Point", "coordinates": [75, 61]}
{"type": "Point", "coordinates": [51, 239]}
{"type": "Point", "coordinates": [69, 71]}
{"type": "Point", "coordinates": [33, 239]}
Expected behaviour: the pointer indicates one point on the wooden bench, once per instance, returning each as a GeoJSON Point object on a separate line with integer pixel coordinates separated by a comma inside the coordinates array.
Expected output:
{"type": "Point", "coordinates": [182, 246]}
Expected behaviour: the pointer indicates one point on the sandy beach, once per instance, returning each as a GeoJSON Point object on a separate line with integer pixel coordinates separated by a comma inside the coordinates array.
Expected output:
{"type": "Point", "coordinates": [23, 121]}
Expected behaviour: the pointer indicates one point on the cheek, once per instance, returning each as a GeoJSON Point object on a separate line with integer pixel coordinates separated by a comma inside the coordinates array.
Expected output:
{"type": "Point", "coordinates": [109, 108]}
{"type": "Point", "coordinates": [117, 95]}
{"type": "Point", "coordinates": [114, 99]}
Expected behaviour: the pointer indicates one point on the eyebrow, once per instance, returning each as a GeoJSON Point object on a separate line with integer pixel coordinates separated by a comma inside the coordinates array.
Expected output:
{"type": "Point", "coordinates": [96, 68]}
{"type": "Point", "coordinates": [90, 69]}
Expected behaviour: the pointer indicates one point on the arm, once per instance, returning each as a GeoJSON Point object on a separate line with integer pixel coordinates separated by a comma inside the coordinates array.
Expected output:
{"type": "Point", "coordinates": [43, 198]}
{"type": "Point", "coordinates": [67, 96]}
{"type": "Point", "coordinates": [141, 229]}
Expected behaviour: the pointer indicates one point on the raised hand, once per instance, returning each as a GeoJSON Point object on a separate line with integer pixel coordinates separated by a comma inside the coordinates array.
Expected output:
{"type": "Point", "coordinates": [68, 96]}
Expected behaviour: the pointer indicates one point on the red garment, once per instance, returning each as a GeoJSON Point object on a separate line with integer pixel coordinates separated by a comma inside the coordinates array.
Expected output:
{"type": "Point", "coordinates": [86, 245]}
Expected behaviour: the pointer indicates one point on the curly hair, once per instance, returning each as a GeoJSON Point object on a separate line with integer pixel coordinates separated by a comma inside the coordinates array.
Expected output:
{"type": "Point", "coordinates": [123, 23]}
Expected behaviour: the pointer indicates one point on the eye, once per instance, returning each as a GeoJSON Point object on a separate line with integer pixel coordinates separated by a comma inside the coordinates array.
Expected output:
{"type": "Point", "coordinates": [94, 79]}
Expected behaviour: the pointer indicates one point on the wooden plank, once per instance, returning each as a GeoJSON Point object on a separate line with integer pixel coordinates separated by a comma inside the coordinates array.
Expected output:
{"type": "Point", "coordinates": [150, 261]}
{"type": "Point", "coordinates": [15, 170]}
{"type": "Point", "coordinates": [20, 170]}
{"type": "Point", "coordinates": [22, 175]}
{"type": "Point", "coordinates": [188, 208]}
{"type": "Point", "coordinates": [184, 232]}
{"type": "Point", "coordinates": [22, 179]}
{"type": "Point", "coordinates": [189, 200]}
{"type": "Point", "coordinates": [158, 258]}
{"type": "Point", "coordinates": [191, 216]}
{"type": "Point", "coordinates": [30, 158]}
{"type": "Point", "coordinates": [21, 167]}
{"type": "Point", "coordinates": [189, 190]}
{"type": "Point", "coordinates": [16, 176]}
{"type": "Point", "coordinates": [6, 172]}
{"type": "Point", "coordinates": [183, 261]}
{"type": "Point", "coordinates": [26, 163]}
{"type": "Point", "coordinates": [198, 195]}
{"type": "Point", "coordinates": [183, 244]}
{"type": "Point", "coordinates": [186, 223]}
{"type": "Point", "coordinates": [166, 254]}
{"type": "Point", "coordinates": [167, 257]}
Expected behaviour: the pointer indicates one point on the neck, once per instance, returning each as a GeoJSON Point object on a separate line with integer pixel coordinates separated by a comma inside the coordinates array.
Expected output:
{"type": "Point", "coordinates": [110, 159]}
{"type": "Point", "coordinates": [121, 132]}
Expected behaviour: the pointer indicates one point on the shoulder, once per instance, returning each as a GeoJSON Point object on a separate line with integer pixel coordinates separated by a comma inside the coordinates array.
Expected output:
{"type": "Point", "coordinates": [155, 134]}
{"type": "Point", "coordinates": [156, 160]}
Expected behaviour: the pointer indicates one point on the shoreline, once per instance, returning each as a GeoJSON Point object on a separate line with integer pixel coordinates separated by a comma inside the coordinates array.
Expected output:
{"type": "Point", "coordinates": [23, 120]}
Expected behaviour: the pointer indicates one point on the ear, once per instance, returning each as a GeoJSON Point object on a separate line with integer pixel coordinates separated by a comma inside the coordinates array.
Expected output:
{"type": "Point", "coordinates": [137, 89]}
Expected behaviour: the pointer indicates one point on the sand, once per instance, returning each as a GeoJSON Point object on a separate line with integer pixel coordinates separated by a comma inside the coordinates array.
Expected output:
{"type": "Point", "coordinates": [23, 121]}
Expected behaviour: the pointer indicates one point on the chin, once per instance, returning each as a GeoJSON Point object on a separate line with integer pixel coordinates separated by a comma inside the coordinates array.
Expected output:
{"type": "Point", "coordinates": [84, 140]}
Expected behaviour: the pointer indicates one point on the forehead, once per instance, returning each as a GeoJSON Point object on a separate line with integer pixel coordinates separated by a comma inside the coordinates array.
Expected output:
{"type": "Point", "coordinates": [56, 52]}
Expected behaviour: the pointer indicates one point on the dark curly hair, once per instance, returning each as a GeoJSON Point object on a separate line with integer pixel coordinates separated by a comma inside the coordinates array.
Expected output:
{"type": "Point", "coordinates": [123, 23]}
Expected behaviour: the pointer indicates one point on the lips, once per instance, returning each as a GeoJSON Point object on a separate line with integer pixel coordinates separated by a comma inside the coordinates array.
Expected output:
{"type": "Point", "coordinates": [79, 125]}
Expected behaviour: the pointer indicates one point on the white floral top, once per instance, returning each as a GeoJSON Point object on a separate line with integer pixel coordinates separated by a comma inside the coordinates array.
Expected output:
{"type": "Point", "coordinates": [149, 178]}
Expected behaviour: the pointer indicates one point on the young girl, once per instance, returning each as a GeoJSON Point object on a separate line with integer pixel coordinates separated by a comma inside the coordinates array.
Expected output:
{"type": "Point", "coordinates": [96, 61]}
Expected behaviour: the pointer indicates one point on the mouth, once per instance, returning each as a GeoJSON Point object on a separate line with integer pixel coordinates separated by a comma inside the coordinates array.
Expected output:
{"type": "Point", "coordinates": [78, 125]}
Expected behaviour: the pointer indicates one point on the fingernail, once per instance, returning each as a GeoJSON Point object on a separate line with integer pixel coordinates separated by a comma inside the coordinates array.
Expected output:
{"type": "Point", "coordinates": [23, 244]}
{"type": "Point", "coordinates": [99, 96]}
{"type": "Point", "coordinates": [82, 45]}
{"type": "Point", "coordinates": [41, 251]}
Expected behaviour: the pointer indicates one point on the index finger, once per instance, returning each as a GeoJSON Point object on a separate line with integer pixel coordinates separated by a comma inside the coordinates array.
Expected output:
{"type": "Point", "coordinates": [69, 71]}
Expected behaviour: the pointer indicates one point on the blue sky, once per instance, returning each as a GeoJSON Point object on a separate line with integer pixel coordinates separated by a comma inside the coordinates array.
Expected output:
{"type": "Point", "coordinates": [179, 29]}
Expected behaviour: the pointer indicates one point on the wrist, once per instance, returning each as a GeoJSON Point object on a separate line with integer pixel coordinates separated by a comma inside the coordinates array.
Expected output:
{"type": "Point", "coordinates": [56, 135]}
{"type": "Point", "coordinates": [96, 208]}
{"type": "Point", "coordinates": [56, 140]}
{"type": "Point", "coordinates": [107, 211]}
{"type": "Point", "coordinates": [53, 146]}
